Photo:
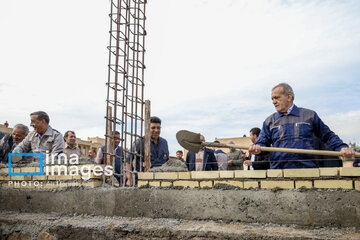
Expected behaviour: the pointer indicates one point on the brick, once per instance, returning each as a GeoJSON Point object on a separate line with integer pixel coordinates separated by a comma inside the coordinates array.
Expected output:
{"type": "Point", "coordinates": [28, 169]}
{"type": "Point", "coordinates": [2, 177]}
{"type": "Point", "coordinates": [73, 184]}
{"type": "Point", "coordinates": [274, 173]}
{"type": "Point", "coordinates": [191, 184]}
{"type": "Point", "coordinates": [302, 173]}
{"type": "Point", "coordinates": [4, 170]}
{"type": "Point", "coordinates": [76, 177]}
{"type": "Point", "coordinates": [329, 172]}
{"type": "Point", "coordinates": [63, 177]}
{"type": "Point", "coordinates": [206, 184]}
{"type": "Point", "coordinates": [250, 174]}
{"type": "Point", "coordinates": [166, 175]}
{"type": "Point", "coordinates": [251, 184]}
{"type": "Point", "coordinates": [154, 183]}
{"type": "Point", "coordinates": [27, 178]}
{"type": "Point", "coordinates": [166, 184]}
{"type": "Point", "coordinates": [16, 170]}
{"type": "Point", "coordinates": [306, 184]}
{"type": "Point", "coordinates": [93, 184]}
{"type": "Point", "coordinates": [17, 178]}
{"type": "Point", "coordinates": [142, 183]}
{"type": "Point", "coordinates": [39, 178]}
{"type": "Point", "coordinates": [275, 184]}
{"type": "Point", "coordinates": [357, 185]}
{"type": "Point", "coordinates": [345, 184]}
{"type": "Point", "coordinates": [146, 175]}
{"type": "Point", "coordinates": [350, 172]}
{"type": "Point", "coordinates": [7, 178]}
{"type": "Point", "coordinates": [184, 175]}
{"type": "Point", "coordinates": [239, 184]}
{"type": "Point", "coordinates": [205, 174]}
{"type": "Point", "coordinates": [226, 174]}
{"type": "Point", "coordinates": [51, 177]}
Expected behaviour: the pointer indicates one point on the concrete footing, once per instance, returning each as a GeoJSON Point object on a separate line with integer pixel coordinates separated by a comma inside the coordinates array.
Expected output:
{"type": "Point", "coordinates": [337, 208]}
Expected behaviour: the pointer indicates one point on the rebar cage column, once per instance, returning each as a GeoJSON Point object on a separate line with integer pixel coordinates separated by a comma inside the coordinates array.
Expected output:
{"type": "Point", "coordinates": [125, 85]}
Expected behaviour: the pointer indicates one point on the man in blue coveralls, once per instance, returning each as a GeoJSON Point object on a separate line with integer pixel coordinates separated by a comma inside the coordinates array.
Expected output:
{"type": "Point", "coordinates": [293, 127]}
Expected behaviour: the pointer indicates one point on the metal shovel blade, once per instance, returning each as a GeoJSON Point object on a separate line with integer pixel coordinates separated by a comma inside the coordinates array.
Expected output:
{"type": "Point", "coordinates": [189, 140]}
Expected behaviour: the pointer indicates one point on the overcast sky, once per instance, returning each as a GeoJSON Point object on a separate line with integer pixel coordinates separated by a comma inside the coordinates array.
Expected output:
{"type": "Point", "coordinates": [210, 64]}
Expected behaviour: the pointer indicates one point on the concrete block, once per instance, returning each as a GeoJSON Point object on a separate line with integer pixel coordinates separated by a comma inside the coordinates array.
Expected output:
{"type": "Point", "coordinates": [191, 184]}
{"type": "Point", "coordinates": [329, 172]}
{"type": "Point", "coordinates": [51, 177]}
{"type": "Point", "coordinates": [166, 184]}
{"type": "Point", "coordinates": [28, 169]}
{"type": "Point", "coordinates": [39, 178]}
{"type": "Point", "coordinates": [7, 178]}
{"type": "Point", "coordinates": [16, 170]}
{"type": "Point", "coordinates": [4, 170]}
{"type": "Point", "coordinates": [305, 184]}
{"type": "Point", "coordinates": [206, 184]}
{"type": "Point", "coordinates": [227, 174]}
{"type": "Point", "coordinates": [250, 174]}
{"type": "Point", "coordinates": [357, 185]}
{"type": "Point", "coordinates": [17, 178]}
{"type": "Point", "coordinates": [239, 184]}
{"type": "Point", "coordinates": [146, 175]}
{"type": "Point", "coordinates": [205, 175]}
{"type": "Point", "coordinates": [166, 175]}
{"type": "Point", "coordinates": [345, 184]}
{"type": "Point", "coordinates": [142, 183]}
{"type": "Point", "coordinates": [302, 173]}
{"type": "Point", "coordinates": [274, 173]}
{"type": "Point", "coordinates": [154, 183]}
{"type": "Point", "coordinates": [350, 172]}
{"type": "Point", "coordinates": [251, 184]}
{"type": "Point", "coordinates": [275, 184]}
{"type": "Point", "coordinates": [2, 177]}
{"type": "Point", "coordinates": [184, 175]}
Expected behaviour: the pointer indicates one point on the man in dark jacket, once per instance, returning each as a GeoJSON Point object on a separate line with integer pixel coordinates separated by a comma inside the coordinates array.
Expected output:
{"type": "Point", "coordinates": [294, 127]}
{"type": "Point", "coordinates": [10, 141]}
{"type": "Point", "coordinates": [257, 162]}
{"type": "Point", "coordinates": [204, 160]}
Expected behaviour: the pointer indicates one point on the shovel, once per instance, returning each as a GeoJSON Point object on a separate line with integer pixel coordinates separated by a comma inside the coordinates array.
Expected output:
{"type": "Point", "coordinates": [191, 142]}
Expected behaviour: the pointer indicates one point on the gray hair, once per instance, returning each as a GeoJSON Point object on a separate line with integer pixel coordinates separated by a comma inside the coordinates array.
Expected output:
{"type": "Point", "coordinates": [41, 115]}
{"type": "Point", "coordinates": [287, 89]}
{"type": "Point", "coordinates": [23, 127]}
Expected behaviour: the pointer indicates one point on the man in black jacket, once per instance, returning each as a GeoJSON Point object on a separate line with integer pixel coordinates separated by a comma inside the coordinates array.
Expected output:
{"type": "Point", "coordinates": [257, 162]}
{"type": "Point", "coordinates": [10, 141]}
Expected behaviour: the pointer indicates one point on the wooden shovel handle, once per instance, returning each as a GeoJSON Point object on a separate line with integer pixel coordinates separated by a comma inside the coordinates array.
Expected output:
{"type": "Point", "coordinates": [275, 149]}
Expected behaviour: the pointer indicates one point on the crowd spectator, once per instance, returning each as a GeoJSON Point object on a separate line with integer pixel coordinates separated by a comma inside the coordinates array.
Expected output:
{"type": "Point", "coordinates": [179, 156]}
{"type": "Point", "coordinates": [204, 160]}
{"type": "Point", "coordinates": [235, 161]}
{"type": "Point", "coordinates": [10, 141]}
{"type": "Point", "coordinates": [6, 124]}
{"type": "Point", "coordinates": [221, 158]}
{"type": "Point", "coordinates": [257, 162]}
{"type": "Point", "coordinates": [92, 155]}
{"type": "Point", "coordinates": [71, 150]}
{"type": "Point", "coordinates": [44, 138]}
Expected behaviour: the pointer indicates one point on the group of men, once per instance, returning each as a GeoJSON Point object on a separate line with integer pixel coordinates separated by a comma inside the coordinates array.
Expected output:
{"type": "Point", "coordinates": [44, 139]}
{"type": "Point", "coordinates": [289, 127]}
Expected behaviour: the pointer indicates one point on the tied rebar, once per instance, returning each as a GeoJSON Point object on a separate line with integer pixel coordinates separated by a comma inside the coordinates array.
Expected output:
{"type": "Point", "coordinates": [125, 85]}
